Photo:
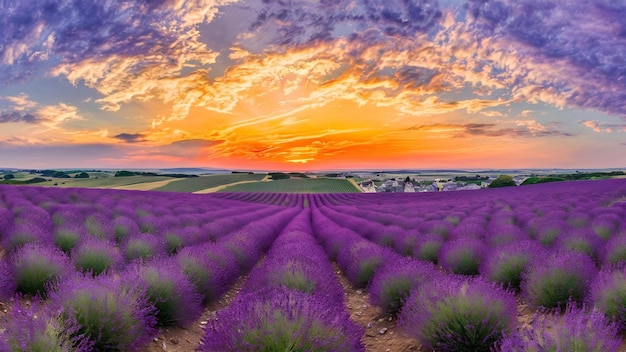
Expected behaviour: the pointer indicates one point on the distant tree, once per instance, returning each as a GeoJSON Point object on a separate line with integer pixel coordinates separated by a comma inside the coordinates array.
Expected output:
{"type": "Point", "coordinates": [9, 176]}
{"type": "Point", "coordinates": [124, 173]}
{"type": "Point", "coordinates": [82, 175]}
{"type": "Point", "coordinates": [60, 174]}
{"type": "Point", "coordinates": [278, 176]}
{"type": "Point", "coordinates": [502, 181]}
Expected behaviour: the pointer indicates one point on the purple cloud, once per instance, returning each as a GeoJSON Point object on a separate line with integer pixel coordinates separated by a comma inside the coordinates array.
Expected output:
{"type": "Point", "coordinates": [131, 137]}
{"type": "Point", "coordinates": [489, 130]}
{"type": "Point", "coordinates": [585, 39]}
{"type": "Point", "coordinates": [18, 116]}
{"type": "Point", "coordinates": [300, 21]}
{"type": "Point", "coordinates": [74, 30]}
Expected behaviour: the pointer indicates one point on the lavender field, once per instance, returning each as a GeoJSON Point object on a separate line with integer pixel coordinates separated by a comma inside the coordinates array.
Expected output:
{"type": "Point", "coordinates": [532, 268]}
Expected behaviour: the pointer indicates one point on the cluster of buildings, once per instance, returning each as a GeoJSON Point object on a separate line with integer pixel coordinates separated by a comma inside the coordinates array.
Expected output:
{"type": "Point", "coordinates": [438, 185]}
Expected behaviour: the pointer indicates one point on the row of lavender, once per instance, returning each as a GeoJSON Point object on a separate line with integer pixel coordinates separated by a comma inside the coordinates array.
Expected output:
{"type": "Point", "coordinates": [121, 276]}
{"type": "Point", "coordinates": [459, 310]}
{"type": "Point", "coordinates": [291, 302]}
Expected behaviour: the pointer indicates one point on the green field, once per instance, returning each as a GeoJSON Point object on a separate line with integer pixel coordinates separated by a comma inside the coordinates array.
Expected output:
{"type": "Point", "coordinates": [196, 184]}
{"type": "Point", "coordinates": [312, 185]}
{"type": "Point", "coordinates": [102, 182]}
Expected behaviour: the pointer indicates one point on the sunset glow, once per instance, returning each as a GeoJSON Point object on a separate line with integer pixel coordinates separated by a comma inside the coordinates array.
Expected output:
{"type": "Point", "coordinates": [313, 85]}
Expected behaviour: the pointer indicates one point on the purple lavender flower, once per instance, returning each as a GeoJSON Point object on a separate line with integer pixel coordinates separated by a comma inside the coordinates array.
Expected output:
{"type": "Point", "coordinates": [453, 313]}
{"type": "Point", "coordinates": [38, 328]}
{"type": "Point", "coordinates": [575, 330]}
{"type": "Point", "coordinates": [110, 312]}
{"type": "Point", "coordinates": [614, 251]}
{"type": "Point", "coordinates": [96, 256]}
{"type": "Point", "coordinates": [35, 268]}
{"type": "Point", "coordinates": [123, 227]}
{"type": "Point", "coordinates": [170, 291]}
{"type": "Point", "coordinates": [210, 270]}
{"type": "Point", "coordinates": [392, 284]}
{"type": "Point", "coordinates": [279, 319]}
{"type": "Point", "coordinates": [7, 282]}
{"type": "Point", "coordinates": [506, 264]}
{"type": "Point", "coordinates": [554, 280]}
{"type": "Point", "coordinates": [143, 247]}
{"type": "Point", "coordinates": [502, 234]}
{"type": "Point", "coordinates": [462, 256]}
{"type": "Point", "coordinates": [362, 259]}
{"type": "Point", "coordinates": [608, 295]}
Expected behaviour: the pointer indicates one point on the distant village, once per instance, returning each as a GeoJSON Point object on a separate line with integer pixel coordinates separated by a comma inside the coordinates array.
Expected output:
{"type": "Point", "coordinates": [461, 183]}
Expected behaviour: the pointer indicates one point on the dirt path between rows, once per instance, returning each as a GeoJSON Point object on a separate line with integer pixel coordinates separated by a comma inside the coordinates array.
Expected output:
{"type": "Point", "coordinates": [381, 332]}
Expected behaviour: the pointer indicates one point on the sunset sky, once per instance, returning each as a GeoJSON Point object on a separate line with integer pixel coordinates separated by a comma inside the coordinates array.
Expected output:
{"type": "Point", "coordinates": [313, 84]}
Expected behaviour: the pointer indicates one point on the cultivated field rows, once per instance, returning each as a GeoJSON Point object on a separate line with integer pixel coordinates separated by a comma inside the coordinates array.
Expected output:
{"type": "Point", "coordinates": [87, 270]}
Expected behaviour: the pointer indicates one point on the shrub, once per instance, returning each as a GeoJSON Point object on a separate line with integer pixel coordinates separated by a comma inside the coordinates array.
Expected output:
{"type": "Point", "coordinates": [36, 328]}
{"type": "Point", "coordinates": [547, 231]}
{"type": "Point", "coordinates": [608, 295]}
{"type": "Point", "coordinates": [558, 279]}
{"type": "Point", "coordinates": [505, 265]}
{"type": "Point", "coordinates": [209, 277]}
{"type": "Point", "coordinates": [577, 331]}
{"type": "Point", "coordinates": [173, 243]}
{"type": "Point", "coordinates": [428, 248]}
{"type": "Point", "coordinates": [502, 181]}
{"type": "Point", "coordinates": [279, 319]}
{"type": "Point", "coordinates": [124, 227]}
{"type": "Point", "coordinates": [98, 225]}
{"type": "Point", "coordinates": [458, 314]}
{"type": "Point", "coordinates": [142, 247]}
{"type": "Point", "coordinates": [584, 241]}
{"type": "Point", "coordinates": [392, 284]}
{"type": "Point", "coordinates": [614, 251]}
{"type": "Point", "coordinates": [65, 238]}
{"type": "Point", "coordinates": [21, 234]}
{"type": "Point", "coordinates": [111, 313]}
{"type": "Point", "coordinates": [169, 290]}
{"type": "Point", "coordinates": [96, 256]}
{"type": "Point", "coordinates": [362, 260]}
{"type": "Point", "coordinates": [462, 256]}
{"type": "Point", "coordinates": [35, 267]}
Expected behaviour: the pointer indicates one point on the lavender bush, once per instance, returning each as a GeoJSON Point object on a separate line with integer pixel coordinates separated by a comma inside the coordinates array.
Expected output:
{"type": "Point", "coordinates": [462, 256]}
{"type": "Point", "coordinates": [66, 237]}
{"type": "Point", "coordinates": [96, 256]}
{"type": "Point", "coordinates": [614, 251]}
{"type": "Point", "coordinates": [281, 320]}
{"type": "Point", "coordinates": [559, 278]}
{"type": "Point", "coordinates": [577, 330]}
{"type": "Point", "coordinates": [506, 264]}
{"type": "Point", "coordinates": [143, 247]}
{"type": "Point", "coordinates": [111, 313]}
{"type": "Point", "coordinates": [36, 328]}
{"type": "Point", "coordinates": [608, 295]}
{"type": "Point", "coordinates": [35, 268]}
{"type": "Point", "coordinates": [459, 314]}
{"type": "Point", "coordinates": [209, 269]}
{"type": "Point", "coordinates": [428, 248]}
{"type": "Point", "coordinates": [392, 284]}
{"type": "Point", "coordinates": [169, 290]}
